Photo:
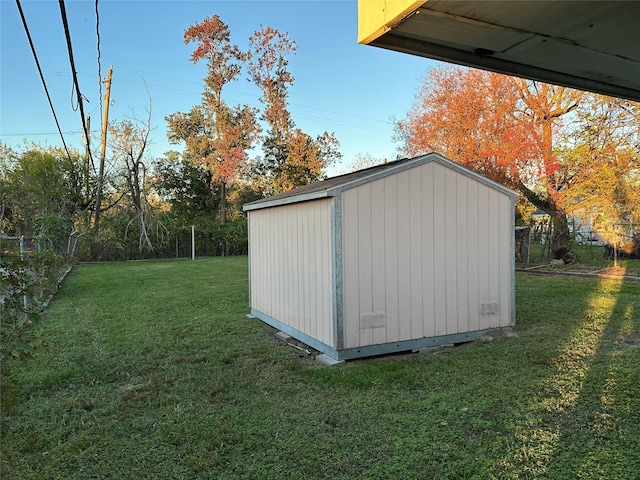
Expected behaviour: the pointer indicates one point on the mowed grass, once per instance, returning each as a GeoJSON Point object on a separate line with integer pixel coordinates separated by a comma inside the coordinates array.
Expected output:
{"type": "Point", "coordinates": [154, 372]}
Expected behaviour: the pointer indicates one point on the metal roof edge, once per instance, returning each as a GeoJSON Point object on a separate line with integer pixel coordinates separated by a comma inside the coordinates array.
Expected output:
{"type": "Point", "coordinates": [420, 160]}
{"type": "Point", "coordinates": [376, 174]}
{"type": "Point", "coordinates": [285, 201]}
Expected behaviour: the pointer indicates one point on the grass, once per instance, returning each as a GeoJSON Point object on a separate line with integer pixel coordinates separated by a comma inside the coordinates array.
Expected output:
{"type": "Point", "coordinates": [154, 372]}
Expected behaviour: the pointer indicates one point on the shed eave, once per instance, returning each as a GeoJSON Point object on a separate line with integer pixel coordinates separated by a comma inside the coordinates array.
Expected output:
{"type": "Point", "coordinates": [429, 157]}
{"type": "Point", "coordinates": [285, 201]}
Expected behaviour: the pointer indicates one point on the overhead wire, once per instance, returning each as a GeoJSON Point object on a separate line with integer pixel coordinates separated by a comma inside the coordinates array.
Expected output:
{"type": "Point", "coordinates": [65, 24]}
{"type": "Point", "coordinates": [44, 83]}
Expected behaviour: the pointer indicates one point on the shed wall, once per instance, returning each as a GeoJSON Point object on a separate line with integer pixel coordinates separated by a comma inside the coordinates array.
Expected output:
{"type": "Point", "coordinates": [426, 252]}
{"type": "Point", "coordinates": [290, 266]}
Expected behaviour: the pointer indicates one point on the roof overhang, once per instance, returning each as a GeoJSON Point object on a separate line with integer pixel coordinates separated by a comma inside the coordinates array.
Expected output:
{"type": "Point", "coordinates": [587, 45]}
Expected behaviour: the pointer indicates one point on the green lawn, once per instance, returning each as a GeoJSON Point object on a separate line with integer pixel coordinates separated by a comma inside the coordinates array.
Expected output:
{"type": "Point", "coordinates": [154, 372]}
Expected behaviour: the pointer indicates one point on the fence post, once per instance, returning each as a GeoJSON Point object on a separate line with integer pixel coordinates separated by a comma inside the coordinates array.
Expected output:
{"type": "Point", "coordinates": [193, 243]}
{"type": "Point", "coordinates": [24, 295]}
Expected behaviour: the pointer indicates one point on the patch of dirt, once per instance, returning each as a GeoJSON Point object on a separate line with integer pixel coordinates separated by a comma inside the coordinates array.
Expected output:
{"type": "Point", "coordinates": [632, 340]}
{"type": "Point", "coordinates": [505, 332]}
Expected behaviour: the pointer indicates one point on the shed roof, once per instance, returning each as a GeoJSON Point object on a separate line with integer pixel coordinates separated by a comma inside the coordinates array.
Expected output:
{"type": "Point", "coordinates": [334, 185]}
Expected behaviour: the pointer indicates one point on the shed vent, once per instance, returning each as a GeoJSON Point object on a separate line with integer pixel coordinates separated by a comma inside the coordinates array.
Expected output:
{"type": "Point", "coordinates": [490, 308]}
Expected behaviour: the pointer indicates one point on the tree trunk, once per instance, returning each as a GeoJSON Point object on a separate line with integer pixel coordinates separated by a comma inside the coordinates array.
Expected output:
{"type": "Point", "coordinates": [223, 212]}
{"type": "Point", "coordinates": [561, 237]}
{"type": "Point", "coordinates": [223, 203]}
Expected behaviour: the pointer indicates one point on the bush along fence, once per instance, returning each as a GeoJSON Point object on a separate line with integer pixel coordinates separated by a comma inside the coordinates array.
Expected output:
{"type": "Point", "coordinates": [209, 239]}
{"type": "Point", "coordinates": [28, 279]}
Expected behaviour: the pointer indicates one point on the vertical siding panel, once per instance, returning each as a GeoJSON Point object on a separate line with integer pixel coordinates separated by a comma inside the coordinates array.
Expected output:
{"type": "Point", "coordinates": [293, 215]}
{"type": "Point", "coordinates": [428, 296]}
{"type": "Point", "coordinates": [415, 252]}
{"type": "Point", "coordinates": [328, 319]}
{"type": "Point", "coordinates": [451, 210]}
{"type": "Point", "coordinates": [265, 287]}
{"type": "Point", "coordinates": [365, 275]}
{"type": "Point", "coordinates": [462, 253]}
{"type": "Point", "coordinates": [350, 240]}
{"type": "Point", "coordinates": [311, 279]}
{"type": "Point", "coordinates": [404, 262]}
{"type": "Point", "coordinates": [274, 267]}
{"type": "Point", "coordinates": [321, 242]}
{"type": "Point", "coordinates": [308, 277]}
{"type": "Point", "coordinates": [253, 251]}
{"type": "Point", "coordinates": [391, 257]}
{"type": "Point", "coordinates": [297, 279]}
{"type": "Point", "coordinates": [303, 266]}
{"type": "Point", "coordinates": [278, 299]}
{"type": "Point", "coordinates": [378, 254]}
{"type": "Point", "coordinates": [260, 239]}
{"type": "Point", "coordinates": [472, 257]}
{"type": "Point", "coordinates": [283, 267]}
{"type": "Point", "coordinates": [274, 257]}
{"type": "Point", "coordinates": [483, 252]}
{"type": "Point", "coordinates": [505, 260]}
{"type": "Point", "coordinates": [439, 270]}
{"type": "Point", "coordinates": [278, 267]}
{"type": "Point", "coordinates": [316, 291]}
{"type": "Point", "coordinates": [306, 268]}
{"type": "Point", "coordinates": [494, 260]}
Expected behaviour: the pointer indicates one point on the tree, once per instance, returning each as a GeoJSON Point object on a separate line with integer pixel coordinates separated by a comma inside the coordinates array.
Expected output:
{"type": "Point", "coordinates": [364, 160]}
{"type": "Point", "coordinates": [188, 188]}
{"type": "Point", "coordinates": [129, 142]}
{"type": "Point", "coordinates": [41, 193]}
{"type": "Point", "coordinates": [268, 62]}
{"type": "Point", "coordinates": [291, 157]}
{"type": "Point", "coordinates": [544, 105]}
{"type": "Point", "coordinates": [499, 126]}
{"type": "Point", "coordinates": [603, 151]}
{"type": "Point", "coordinates": [216, 136]}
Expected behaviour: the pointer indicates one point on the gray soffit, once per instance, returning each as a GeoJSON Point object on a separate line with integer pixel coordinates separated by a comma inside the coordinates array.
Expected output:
{"type": "Point", "coordinates": [587, 45]}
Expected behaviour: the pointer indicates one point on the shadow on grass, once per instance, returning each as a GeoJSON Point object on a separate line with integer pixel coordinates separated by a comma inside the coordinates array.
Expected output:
{"type": "Point", "coordinates": [583, 422]}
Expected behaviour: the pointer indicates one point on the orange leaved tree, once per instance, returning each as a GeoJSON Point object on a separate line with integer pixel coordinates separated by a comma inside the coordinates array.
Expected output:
{"type": "Point", "coordinates": [216, 136]}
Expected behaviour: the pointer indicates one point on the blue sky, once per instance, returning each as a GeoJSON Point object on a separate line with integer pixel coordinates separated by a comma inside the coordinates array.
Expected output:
{"type": "Point", "coordinates": [340, 86]}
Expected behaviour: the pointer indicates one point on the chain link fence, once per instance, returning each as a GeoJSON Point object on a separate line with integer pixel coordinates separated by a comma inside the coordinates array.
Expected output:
{"type": "Point", "coordinates": [533, 247]}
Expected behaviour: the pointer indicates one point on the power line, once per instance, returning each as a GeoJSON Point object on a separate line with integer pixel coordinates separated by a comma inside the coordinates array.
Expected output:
{"type": "Point", "coordinates": [70, 132]}
{"type": "Point", "coordinates": [63, 13]}
{"type": "Point", "coordinates": [44, 83]}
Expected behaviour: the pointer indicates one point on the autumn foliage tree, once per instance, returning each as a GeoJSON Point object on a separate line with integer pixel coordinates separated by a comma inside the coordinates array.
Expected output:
{"type": "Point", "coordinates": [602, 157]}
{"type": "Point", "coordinates": [499, 126]}
{"type": "Point", "coordinates": [291, 156]}
{"type": "Point", "coordinates": [216, 136]}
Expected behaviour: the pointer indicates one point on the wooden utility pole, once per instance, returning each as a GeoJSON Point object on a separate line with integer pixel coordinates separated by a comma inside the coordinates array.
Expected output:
{"type": "Point", "coordinates": [103, 148]}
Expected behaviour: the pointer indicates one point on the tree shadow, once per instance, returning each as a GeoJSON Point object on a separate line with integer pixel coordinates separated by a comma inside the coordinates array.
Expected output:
{"type": "Point", "coordinates": [585, 421]}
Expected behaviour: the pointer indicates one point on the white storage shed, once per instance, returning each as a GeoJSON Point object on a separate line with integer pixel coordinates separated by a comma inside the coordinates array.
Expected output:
{"type": "Point", "coordinates": [409, 254]}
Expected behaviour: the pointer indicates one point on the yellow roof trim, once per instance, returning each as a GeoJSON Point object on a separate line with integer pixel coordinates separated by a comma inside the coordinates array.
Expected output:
{"type": "Point", "coordinates": [377, 17]}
